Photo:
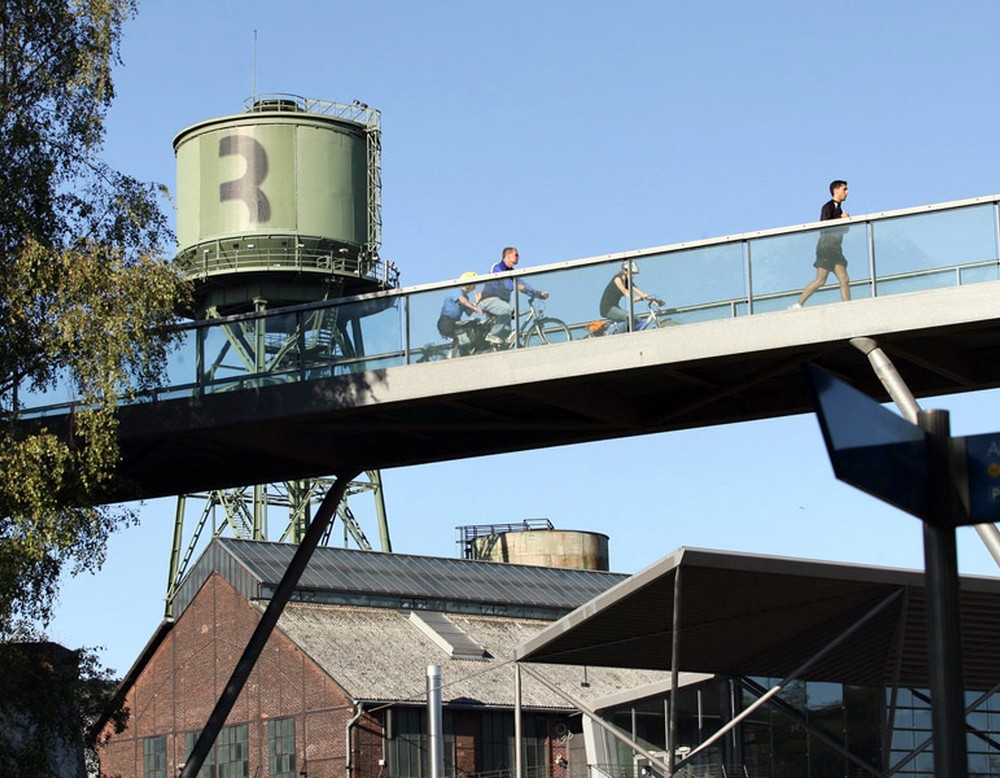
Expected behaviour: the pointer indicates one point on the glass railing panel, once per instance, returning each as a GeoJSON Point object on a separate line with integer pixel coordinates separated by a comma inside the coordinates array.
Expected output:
{"type": "Point", "coordinates": [320, 341]}
{"type": "Point", "coordinates": [974, 274]}
{"type": "Point", "coordinates": [573, 303]}
{"type": "Point", "coordinates": [782, 265]}
{"type": "Point", "coordinates": [922, 251]}
{"type": "Point", "coordinates": [162, 394]}
{"type": "Point", "coordinates": [182, 361]}
{"type": "Point", "coordinates": [228, 352]}
{"type": "Point", "coordinates": [34, 397]}
{"type": "Point", "coordinates": [539, 308]}
{"type": "Point", "coordinates": [917, 281]}
{"type": "Point", "coordinates": [698, 284]}
{"type": "Point", "coordinates": [907, 247]}
{"type": "Point", "coordinates": [366, 334]}
{"type": "Point", "coordinates": [283, 343]}
{"type": "Point", "coordinates": [56, 398]}
{"type": "Point", "coordinates": [427, 343]}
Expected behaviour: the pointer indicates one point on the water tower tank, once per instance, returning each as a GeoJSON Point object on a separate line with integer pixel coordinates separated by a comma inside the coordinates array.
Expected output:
{"type": "Point", "coordinates": [281, 204]}
{"type": "Point", "coordinates": [545, 547]}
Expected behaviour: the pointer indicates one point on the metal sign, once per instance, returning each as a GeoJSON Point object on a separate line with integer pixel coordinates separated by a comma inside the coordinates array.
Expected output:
{"type": "Point", "coordinates": [870, 447]}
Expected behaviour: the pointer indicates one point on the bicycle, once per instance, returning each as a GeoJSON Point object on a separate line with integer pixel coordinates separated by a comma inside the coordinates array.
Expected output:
{"type": "Point", "coordinates": [654, 316]}
{"type": "Point", "coordinates": [470, 338]}
{"type": "Point", "coordinates": [536, 329]}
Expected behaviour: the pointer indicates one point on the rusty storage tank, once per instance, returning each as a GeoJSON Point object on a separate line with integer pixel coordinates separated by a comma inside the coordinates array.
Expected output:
{"type": "Point", "coordinates": [281, 204]}
{"type": "Point", "coordinates": [546, 547]}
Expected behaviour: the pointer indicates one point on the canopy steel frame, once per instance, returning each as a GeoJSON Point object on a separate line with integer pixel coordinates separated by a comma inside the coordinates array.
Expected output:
{"type": "Point", "coordinates": [798, 671]}
{"type": "Point", "coordinates": [673, 765]}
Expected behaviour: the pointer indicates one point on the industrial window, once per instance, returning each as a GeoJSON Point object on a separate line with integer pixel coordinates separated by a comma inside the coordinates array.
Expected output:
{"type": "Point", "coordinates": [497, 745]}
{"type": "Point", "coordinates": [229, 758]}
{"type": "Point", "coordinates": [281, 748]}
{"type": "Point", "coordinates": [154, 757]}
{"type": "Point", "coordinates": [407, 750]}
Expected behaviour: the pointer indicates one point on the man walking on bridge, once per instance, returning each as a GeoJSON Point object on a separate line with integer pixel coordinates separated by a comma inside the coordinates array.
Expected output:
{"type": "Point", "coordinates": [829, 247]}
{"type": "Point", "coordinates": [495, 297]}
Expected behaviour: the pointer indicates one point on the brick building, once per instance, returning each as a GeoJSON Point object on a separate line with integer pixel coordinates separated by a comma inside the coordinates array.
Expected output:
{"type": "Point", "coordinates": [340, 687]}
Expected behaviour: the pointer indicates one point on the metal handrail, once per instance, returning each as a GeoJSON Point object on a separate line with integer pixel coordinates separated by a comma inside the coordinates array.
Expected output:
{"type": "Point", "coordinates": [356, 111]}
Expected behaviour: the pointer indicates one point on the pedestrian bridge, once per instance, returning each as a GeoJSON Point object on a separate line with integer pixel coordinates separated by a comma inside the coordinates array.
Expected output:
{"type": "Point", "coordinates": [362, 383]}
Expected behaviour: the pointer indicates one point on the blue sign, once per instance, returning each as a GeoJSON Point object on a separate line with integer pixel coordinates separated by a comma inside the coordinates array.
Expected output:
{"type": "Point", "coordinates": [982, 460]}
{"type": "Point", "coordinates": [872, 448]}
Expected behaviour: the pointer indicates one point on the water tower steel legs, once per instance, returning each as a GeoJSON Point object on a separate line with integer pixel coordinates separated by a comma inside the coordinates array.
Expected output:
{"type": "Point", "coordinates": [244, 515]}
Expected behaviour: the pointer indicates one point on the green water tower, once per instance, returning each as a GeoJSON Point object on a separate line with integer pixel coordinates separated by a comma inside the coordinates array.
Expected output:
{"type": "Point", "coordinates": [281, 205]}
{"type": "Point", "coordinates": [277, 206]}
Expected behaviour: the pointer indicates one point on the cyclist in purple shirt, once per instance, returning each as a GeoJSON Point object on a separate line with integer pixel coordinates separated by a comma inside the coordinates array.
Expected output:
{"type": "Point", "coordinates": [495, 297]}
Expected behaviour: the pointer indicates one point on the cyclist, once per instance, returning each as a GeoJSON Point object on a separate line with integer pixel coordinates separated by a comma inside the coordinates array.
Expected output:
{"type": "Point", "coordinates": [457, 304]}
{"type": "Point", "coordinates": [617, 288]}
{"type": "Point", "coordinates": [463, 333]}
{"type": "Point", "coordinates": [495, 296]}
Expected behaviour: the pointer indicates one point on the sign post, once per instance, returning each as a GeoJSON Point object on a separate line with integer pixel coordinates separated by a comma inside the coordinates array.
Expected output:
{"type": "Point", "coordinates": [913, 468]}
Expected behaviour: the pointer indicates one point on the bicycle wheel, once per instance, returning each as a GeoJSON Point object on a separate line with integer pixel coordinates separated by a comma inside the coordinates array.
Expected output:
{"type": "Point", "coordinates": [431, 353]}
{"type": "Point", "coordinates": [547, 331]}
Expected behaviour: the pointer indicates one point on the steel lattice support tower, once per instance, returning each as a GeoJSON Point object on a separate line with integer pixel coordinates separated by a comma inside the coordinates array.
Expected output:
{"type": "Point", "coordinates": [279, 512]}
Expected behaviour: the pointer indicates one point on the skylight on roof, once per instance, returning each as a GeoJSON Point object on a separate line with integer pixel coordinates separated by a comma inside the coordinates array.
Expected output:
{"type": "Point", "coordinates": [448, 635]}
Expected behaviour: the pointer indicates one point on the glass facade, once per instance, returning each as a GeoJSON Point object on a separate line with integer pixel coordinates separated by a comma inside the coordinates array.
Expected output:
{"type": "Point", "coordinates": [496, 752]}
{"type": "Point", "coordinates": [407, 746]}
{"type": "Point", "coordinates": [809, 730]}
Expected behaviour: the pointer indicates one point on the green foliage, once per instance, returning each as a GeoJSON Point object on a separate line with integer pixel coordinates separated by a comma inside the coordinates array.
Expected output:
{"type": "Point", "coordinates": [84, 301]}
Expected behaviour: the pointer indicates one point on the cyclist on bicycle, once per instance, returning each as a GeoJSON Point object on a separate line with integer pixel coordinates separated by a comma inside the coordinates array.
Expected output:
{"type": "Point", "coordinates": [617, 288]}
{"type": "Point", "coordinates": [456, 305]}
{"type": "Point", "coordinates": [494, 299]}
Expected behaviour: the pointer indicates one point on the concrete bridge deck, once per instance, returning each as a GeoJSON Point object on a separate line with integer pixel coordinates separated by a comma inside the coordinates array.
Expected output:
{"type": "Point", "coordinates": [716, 372]}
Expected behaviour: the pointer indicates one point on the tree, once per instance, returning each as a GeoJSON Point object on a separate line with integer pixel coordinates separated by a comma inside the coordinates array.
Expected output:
{"type": "Point", "coordinates": [84, 299]}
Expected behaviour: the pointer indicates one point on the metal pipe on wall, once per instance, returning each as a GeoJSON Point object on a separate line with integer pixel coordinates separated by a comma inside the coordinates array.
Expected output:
{"type": "Point", "coordinates": [435, 721]}
{"type": "Point", "coordinates": [348, 762]}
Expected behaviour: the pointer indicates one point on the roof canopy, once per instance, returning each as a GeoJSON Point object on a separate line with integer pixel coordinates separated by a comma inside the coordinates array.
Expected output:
{"type": "Point", "coordinates": [749, 615]}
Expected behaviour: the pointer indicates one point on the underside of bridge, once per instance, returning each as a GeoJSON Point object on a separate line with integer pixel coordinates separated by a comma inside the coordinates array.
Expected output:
{"type": "Point", "coordinates": [718, 372]}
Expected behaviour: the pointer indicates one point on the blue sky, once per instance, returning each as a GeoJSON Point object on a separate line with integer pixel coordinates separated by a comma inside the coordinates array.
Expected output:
{"type": "Point", "coordinates": [574, 129]}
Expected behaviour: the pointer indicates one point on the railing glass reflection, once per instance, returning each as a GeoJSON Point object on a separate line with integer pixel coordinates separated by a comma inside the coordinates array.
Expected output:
{"type": "Point", "coordinates": [892, 253]}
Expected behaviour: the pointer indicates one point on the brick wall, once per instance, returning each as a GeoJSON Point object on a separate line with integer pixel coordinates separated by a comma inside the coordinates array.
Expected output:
{"type": "Point", "coordinates": [179, 687]}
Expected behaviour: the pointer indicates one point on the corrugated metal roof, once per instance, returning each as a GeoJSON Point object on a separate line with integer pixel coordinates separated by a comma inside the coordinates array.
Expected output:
{"type": "Point", "coordinates": [371, 578]}
{"type": "Point", "coordinates": [377, 655]}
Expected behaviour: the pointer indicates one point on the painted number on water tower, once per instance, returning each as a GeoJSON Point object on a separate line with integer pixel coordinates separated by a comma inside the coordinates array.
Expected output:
{"type": "Point", "coordinates": [246, 188]}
